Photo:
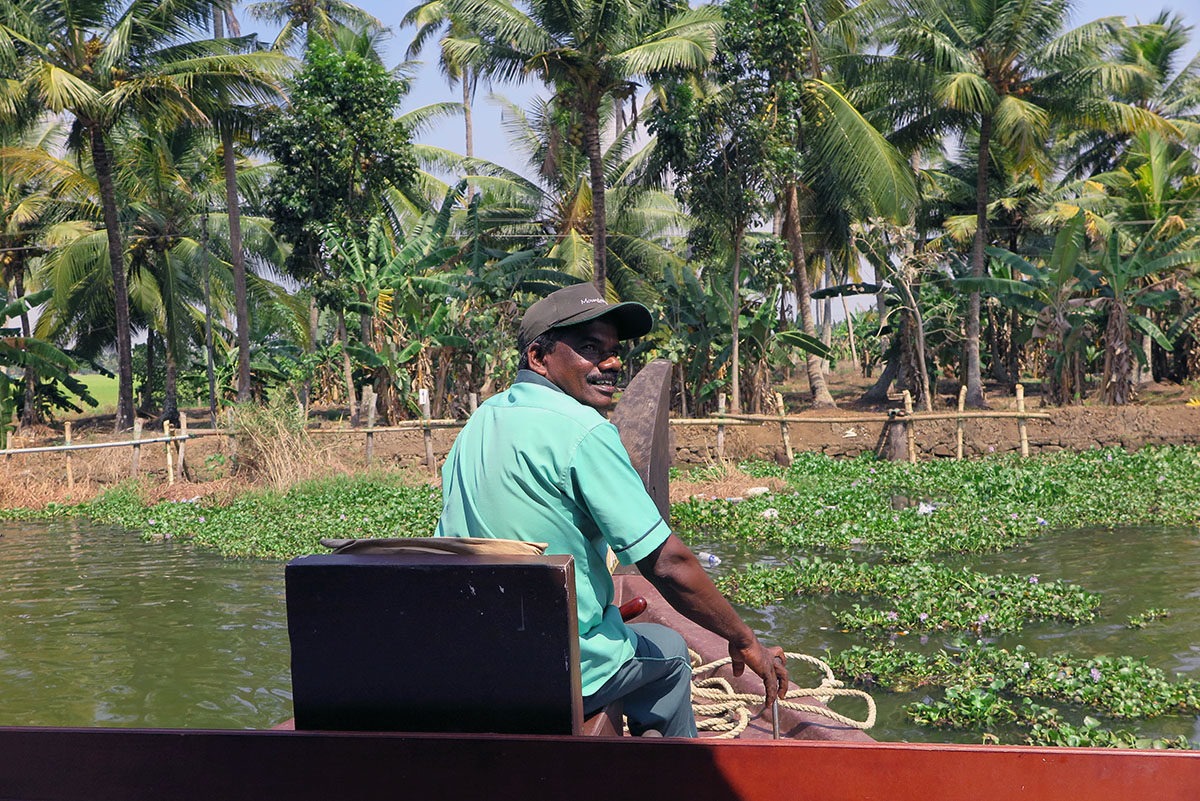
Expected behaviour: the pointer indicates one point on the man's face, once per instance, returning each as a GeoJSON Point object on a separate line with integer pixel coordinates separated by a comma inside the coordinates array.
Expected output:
{"type": "Point", "coordinates": [584, 364]}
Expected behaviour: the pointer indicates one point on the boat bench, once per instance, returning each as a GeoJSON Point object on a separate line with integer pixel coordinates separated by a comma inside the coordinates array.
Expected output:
{"type": "Point", "coordinates": [437, 643]}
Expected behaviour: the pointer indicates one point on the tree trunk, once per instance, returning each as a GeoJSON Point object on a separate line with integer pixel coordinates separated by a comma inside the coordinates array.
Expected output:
{"type": "Point", "coordinates": [209, 350]}
{"type": "Point", "coordinates": [102, 161]}
{"type": "Point", "coordinates": [147, 401]}
{"type": "Point", "coordinates": [913, 340]}
{"type": "Point", "coordinates": [974, 377]}
{"type": "Point", "coordinates": [170, 409]}
{"type": "Point", "coordinates": [821, 398]}
{"type": "Point", "coordinates": [241, 304]}
{"type": "Point", "coordinates": [735, 384]}
{"type": "Point", "coordinates": [347, 370]}
{"type": "Point", "coordinates": [29, 414]}
{"type": "Point", "coordinates": [468, 89]}
{"type": "Point", "coordinates": [1117, 389]}
{"type": "Point", "coordinates": [591, 140]}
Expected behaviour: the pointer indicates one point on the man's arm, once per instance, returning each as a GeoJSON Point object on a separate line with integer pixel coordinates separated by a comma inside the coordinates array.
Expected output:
{"type": "Point", "coordinates": [676, 573]}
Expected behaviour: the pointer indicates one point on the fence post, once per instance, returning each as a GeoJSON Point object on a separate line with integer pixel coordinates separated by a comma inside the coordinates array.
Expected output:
{"type": "Point", "coordinates": [721, 428]}
{"type": "Point", "coordinates": [70, 473]}
{"type": "Point", "coordinates": [137, 449]}
{"type": "Point", "coordinates": [783, 429]}
{"type": "Point", "coordinates": [430, 462]}
{"type": "Point", "coordinates": [1021, 424]}
{"type": "Point", "coordinates": [908, 427]}
{"type": "Point", "coordinates": [371, 410]}
{"type": "Point", "coordinates": [958, 423]}
{"type": "Point", "coordinates": [170, 453]}
{"type": "Point", "coordinates": [232, 436]}
{"type": "Point", "coordinates": [181, 446]}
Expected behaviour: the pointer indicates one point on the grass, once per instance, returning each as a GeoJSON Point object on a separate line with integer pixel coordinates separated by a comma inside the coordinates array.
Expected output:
{"type": "Point", "coordinates": [104, 390]}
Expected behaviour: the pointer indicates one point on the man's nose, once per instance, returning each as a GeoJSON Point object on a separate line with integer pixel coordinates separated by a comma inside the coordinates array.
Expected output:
{"type": "Point", "coordinates": [610, 362]}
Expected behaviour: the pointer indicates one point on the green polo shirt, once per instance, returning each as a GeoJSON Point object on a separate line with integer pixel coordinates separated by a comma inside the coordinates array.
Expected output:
{"type": "Point", "coordinates": [534, 464]}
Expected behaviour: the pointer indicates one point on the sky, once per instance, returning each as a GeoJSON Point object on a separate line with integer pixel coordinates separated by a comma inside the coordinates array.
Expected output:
{"type": "Point", "coordinates": [429, 86]}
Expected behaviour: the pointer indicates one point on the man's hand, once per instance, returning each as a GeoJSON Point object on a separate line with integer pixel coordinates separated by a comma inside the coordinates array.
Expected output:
{"type": "Point", "coordinates": [769, 663]}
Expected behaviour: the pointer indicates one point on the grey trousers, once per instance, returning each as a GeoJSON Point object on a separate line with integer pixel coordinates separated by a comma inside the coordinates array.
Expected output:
{"type": "Point", "coordinates": [654, 686]}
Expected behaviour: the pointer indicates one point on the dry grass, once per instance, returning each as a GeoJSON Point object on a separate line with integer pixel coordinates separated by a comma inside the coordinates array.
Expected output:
{"type": "Point", "coordinates": [723, 480]}
{"type": "Point", "coordinates": [275, 449]}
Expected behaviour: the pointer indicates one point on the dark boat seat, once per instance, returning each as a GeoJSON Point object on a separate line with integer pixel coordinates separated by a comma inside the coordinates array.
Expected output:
{"type": "Point", "coordinates": [437, 643]}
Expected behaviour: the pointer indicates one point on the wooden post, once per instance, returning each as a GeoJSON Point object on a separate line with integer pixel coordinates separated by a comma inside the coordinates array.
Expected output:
{"type": "Point", "coordinates": [170, 453]}
{"type": "Point", "coordinates": [181, 446]}
{"type": "Point", "coordinates": [721, 428]}
{"type": "Point", "coordinates": [232, 437]}
{"type": "Point", "coordinates": [430, 462]}
{"type": "Point", "coordinates": [958, 424]}
{"type": "Point", "coordinates": [137, 449]}
{"type": "Point", "coordinates": [1022, 426]}
{"type": "Point", "coordinates": [67, 438]}
{"type": "Point", "coordinates": [371, 410]}
{"type": "Point", "coordinates": [783, 429]}
{"type": "Point", "coordinates": [908, 428]}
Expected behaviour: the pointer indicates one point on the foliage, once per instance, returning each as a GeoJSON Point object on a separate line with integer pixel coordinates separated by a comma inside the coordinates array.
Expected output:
{"type": "Point", "coordinates": [336, 148]}
{"type": "Point", "coordinates": [912, 512]}
{"type": "Point", "coordinates": [988, 687]}
{"type": "Point", "coordinates": [53, 366]}
{"type": "Point", "coordinates": [277, 524]}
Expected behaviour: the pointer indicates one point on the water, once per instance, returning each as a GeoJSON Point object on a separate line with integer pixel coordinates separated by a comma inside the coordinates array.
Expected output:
{"type": "Point", "coordinates": [98, 628]}
{"type": "Point", "coordinates": [1134, 569]}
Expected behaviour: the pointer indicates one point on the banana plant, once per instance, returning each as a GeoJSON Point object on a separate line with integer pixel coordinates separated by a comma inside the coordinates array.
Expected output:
{"type": "Point", "coordinates": [52, 365]}
{"type": "Point", "coordinates": [1057, 294]}
{"type": "Point", "coordinates": [1128, 285]}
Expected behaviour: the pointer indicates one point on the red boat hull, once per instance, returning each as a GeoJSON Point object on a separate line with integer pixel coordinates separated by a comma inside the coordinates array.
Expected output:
{"type": "Point", "coordinates": [187, 765]}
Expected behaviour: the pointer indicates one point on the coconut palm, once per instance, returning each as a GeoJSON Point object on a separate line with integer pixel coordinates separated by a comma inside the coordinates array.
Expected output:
{"type": "Point", "coordinates": [587, 52]}
{"type": "Point", "coordinates": [822, 152]}
{"type": "Point", "coordinates": [324, 18]}
{"type": "Point", "coordinates": [100, 60]}
{"type": "Point", "coordinates": [1168, 90]}
{"type": "Point", "coordinates": [1005, 72]}
{"type": "Point", "coordinates": [429, 18]}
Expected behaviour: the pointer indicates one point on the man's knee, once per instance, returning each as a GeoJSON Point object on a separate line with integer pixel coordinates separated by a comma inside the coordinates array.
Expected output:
{"type": "Point", "coordinates": [660, 642]}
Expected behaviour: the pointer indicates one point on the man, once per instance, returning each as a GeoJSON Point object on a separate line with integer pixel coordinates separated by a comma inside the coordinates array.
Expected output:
{"type": "Point", "coordinates": [540, 463]}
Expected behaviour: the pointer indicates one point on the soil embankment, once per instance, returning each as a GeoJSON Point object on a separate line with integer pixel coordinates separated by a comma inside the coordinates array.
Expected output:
{"type": "Point", "coordinates": [1069, 428]}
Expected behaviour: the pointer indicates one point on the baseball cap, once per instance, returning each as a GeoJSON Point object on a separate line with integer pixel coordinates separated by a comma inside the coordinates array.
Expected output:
{"type": "Point", "coordinates": [582, 303]}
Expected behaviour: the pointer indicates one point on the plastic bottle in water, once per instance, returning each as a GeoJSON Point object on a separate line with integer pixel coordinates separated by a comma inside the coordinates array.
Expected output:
{"type": "Point", "coordinates": [708, 559]}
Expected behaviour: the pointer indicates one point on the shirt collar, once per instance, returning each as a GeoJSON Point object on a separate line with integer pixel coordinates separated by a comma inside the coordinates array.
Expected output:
{"type": "Point", "coordinates": [530, 377]}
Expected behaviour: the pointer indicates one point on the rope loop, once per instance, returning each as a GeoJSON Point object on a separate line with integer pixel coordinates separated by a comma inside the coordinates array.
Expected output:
{"type": "Point", "coordinates": [719, 708]}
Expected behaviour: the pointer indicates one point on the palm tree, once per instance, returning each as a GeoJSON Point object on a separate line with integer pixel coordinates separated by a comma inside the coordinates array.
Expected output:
{"type": "Point", "coordinates": [428, 18]}
{"type": "Point", "coordinates": [822, 150]}
{"type": "Point", "coordinates": [324, 18]}
{"type": "Point", "coordinates": [588, 52]}
{"type": "Point", "coordinates": [100, 60]}
{"type": "Point", "coordinates": [1006, 73]}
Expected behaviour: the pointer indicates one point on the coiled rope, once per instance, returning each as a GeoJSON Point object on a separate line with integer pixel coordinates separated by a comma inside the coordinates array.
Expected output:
{"type": "Point", "coordinates": [719, 708]}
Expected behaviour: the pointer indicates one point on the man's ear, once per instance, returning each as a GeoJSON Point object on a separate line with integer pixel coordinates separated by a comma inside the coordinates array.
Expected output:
{"type": "Point", "coordinates": [537, 360]}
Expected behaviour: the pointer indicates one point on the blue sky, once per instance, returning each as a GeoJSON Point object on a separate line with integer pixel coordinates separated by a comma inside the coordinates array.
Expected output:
{"type": "Point", "coordinates": [430, 86]}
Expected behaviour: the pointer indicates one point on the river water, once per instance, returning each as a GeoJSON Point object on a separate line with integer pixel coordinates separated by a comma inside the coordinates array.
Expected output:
{"type": "Point", "coordinates": [98, 628]}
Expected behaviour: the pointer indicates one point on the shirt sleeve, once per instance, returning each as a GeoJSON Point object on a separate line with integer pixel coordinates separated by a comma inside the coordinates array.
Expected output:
{"type": "Point", "coordinates": [612, 492]}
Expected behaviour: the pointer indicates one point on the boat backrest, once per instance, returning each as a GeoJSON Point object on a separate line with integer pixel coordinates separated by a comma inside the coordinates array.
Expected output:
{"type": "Point", "coordinates": [434, 643]}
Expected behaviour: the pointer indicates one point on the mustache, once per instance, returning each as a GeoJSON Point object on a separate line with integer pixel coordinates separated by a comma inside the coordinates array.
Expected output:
{"type": "Point", "coordinates": [606, 377]}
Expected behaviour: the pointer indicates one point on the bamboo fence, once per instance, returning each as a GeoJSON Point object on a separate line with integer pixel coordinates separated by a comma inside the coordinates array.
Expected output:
{"type": "Point", "coordinates": [900, 423]}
